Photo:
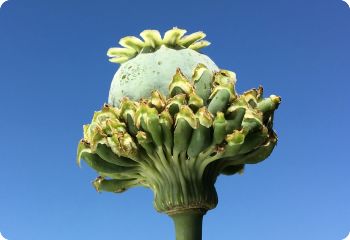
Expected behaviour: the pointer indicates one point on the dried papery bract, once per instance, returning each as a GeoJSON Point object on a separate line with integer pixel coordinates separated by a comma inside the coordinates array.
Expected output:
{"type": "Point", "coordinates": [178, 142]}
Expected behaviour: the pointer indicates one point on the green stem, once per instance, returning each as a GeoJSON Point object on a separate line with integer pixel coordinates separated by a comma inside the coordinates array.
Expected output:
{"type": "Point", "coordinates": [188, 224]}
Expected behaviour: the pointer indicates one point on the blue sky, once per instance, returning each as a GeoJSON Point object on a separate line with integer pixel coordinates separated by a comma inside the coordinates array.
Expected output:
{"type": "Point", "coordinates": [54, 74]}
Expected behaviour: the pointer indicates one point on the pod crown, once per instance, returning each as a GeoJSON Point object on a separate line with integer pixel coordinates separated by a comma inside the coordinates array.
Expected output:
{"type": "Point", "coordinates": [174, 38]}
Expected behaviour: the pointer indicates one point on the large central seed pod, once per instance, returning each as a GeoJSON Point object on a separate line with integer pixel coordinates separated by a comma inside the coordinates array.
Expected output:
{"type": "Point", "coordinates": [173, 124]}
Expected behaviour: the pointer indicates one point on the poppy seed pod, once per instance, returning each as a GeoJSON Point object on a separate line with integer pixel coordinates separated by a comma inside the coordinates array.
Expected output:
{"type": "Point", "coordinates": [150, 64]}
{"type": "Point", "coordinates": [174, 123]}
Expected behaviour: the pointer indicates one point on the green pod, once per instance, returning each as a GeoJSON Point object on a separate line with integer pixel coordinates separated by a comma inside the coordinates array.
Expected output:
{"type": "Point", "coordinates": [234, 144]}
{"type": "Point", "coordinates": [195, 102]}
{"type": "Point", "coordinates": [157, 100]}
{"type": "Point", "coordinates": [166, 122]}
{"type": "Point", "coordinates": [155, 129]}
{"type": "Point", "coordinates": [223, 91]}
{"type": "Point", "coordinates": [251, 125]}
{"type": "Point", "coordinates": [235, 114]}
{"type": "Point", "coordinates": [107, 112]}
{"type": "Point", "coordinates": [225, 78]}
{"type": "Point", "coordinates": [147, 118]}
{"type": "Point", "coordinates": [109, 156]}
{"type": "Point", "coordinates": [261, 153]}
{"type": "Point", "coordinates": [141, 114]}
{"type": "Point", "coordinates": [182, 136]}
{"type": "Point", "coordinates": [108, 120]}
{"type": "Point", "coordinates": [122, 144]}
{"type": "Point", "coordinates": [269, 104]}
{"type": "Point", "coordinates": [127, 112]}
{"type": "Point", "coordinates": [101, 166]}
{"type": "Point", "coordinates": [236, 105]}
{"type": "Point", "coordinates": [94, 135]}
{"type": "Point", "coordinates": [252, 121]}
{"type": "Point", "coordinates": [219, 126]}
{"type": "Point", "coordinates": [174, 103]}
{"type": "Point", "coordinates": [199, 141]}
{"type": "Point", "coordinates": [202, 78]}
{"type": "Point", "coordinates": [145, 140]}
{"type": "Point", "coordinates": [111, 126]}
{"type": "Point", "coordinates": [131, 124]}
{"type": "Point", "coordinates": [201, 137]}
{"type": "Point", "coordinates": [235, 122]}
{"type": "Point", "coordinates": [95, 132]}
{"type": "Point", "coordinates": [219, 101]}
{"type": "Point", "coordinates": [114, 185]}
{"type": "Point", "coordinates": [184, 125]}
{"type": "Point", "coordinates": [180, 84]}
{"type": "Point", "coordinates": [254, 140]}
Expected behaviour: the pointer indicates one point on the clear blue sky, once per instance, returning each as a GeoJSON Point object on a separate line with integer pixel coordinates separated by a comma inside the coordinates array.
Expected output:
{"type": "Point", "coordinates": [54, 74]}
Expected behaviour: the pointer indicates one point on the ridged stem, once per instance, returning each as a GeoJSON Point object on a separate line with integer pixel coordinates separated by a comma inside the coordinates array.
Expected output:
{"type": "Point", "coordinates": [188, 224]}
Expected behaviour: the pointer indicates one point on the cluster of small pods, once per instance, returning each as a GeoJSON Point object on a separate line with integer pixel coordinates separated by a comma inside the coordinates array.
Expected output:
{"type": "Point", "coordinates": [178, 144]}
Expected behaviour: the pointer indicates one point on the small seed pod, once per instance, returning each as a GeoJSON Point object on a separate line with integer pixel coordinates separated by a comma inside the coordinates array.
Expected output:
{"type": "Point", "coordinates": [166, 123]}
{"type": "Point", "coordinates": [106, 154]}
{"type": "Point", "coordinates": [202, 134]}
{"type": "Point", "coordinates": [122, 144]}
{"type": "Point", "coordinates": [94, 135]}
{"type": "Point", "coordinates": [202, 78]}
{"type": "Point", "coordinates": [254, 140]}
{"type": "Point", "coordinates": [223, 91]}
{"type": "Point", "coordinates": [184, 125]}
{"type": "Point", "coordinates": [114, 185]}
{"type": "Point", "coordinates": [145, 140]}
{"type": "Point", "coordinates": [234, 141]}
{"type": "Point", "coordinates": [104, 168]}
{"type": "Point", "coordinates": [269, 104]}
{"type": "Point", "coordinates": [180, 84]}
{"type": "Point", "coordinates": [157, 100]}
{"type": "Point", "coordinates": [195, 102]}
{"type": "Point", "coordinates": [236, 112]}
{"type": "Point", "coordinates": [147, 118]}
{"type": "Point", "coordinates": [127, 112]}
{"type": "Point", "coordinates": [261, 152]}
{"type": "Point", "coordinates": [219, 125]}
{"type": "Point", "coordinates": [174, 104]}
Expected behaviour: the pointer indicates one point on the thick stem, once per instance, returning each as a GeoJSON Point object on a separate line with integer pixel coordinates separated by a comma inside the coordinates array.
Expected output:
{"type": "Point", "coordinates": [188, 224]}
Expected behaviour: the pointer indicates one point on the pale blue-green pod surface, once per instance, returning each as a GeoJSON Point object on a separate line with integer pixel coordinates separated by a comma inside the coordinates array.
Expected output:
{"type": "Point", "coordinates": [139, 76]}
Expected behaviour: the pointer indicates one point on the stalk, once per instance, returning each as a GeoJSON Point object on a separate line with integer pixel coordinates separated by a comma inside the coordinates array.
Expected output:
{"type": "Point", "coordinates": [188, 224]}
